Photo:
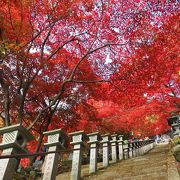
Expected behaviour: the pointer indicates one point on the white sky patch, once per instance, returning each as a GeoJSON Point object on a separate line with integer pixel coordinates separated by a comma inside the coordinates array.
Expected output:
{"type": "Point", "coordinates": [116, 30]}
{"type": "Point", "coordinates": [145, 94]}
{"type": "Point", "coordinates": [108, 59]}
{"type": "Point", "coordinates": [34, 50]}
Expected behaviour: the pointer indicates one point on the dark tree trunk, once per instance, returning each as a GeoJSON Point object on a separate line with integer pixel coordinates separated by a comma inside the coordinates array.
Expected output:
{"type": "Point", "coordinates": [7, 107]}
{"type": "Point", "coordinates": [32, 160]}
{"type": "Point", "coordinates": [5, 90]}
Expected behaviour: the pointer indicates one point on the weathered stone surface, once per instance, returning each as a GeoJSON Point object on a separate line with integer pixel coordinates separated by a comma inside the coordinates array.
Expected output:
{"type": "Point", "coordinates": [114, 148]}
{"type": "Point", "coordinates": [14, 141]}
{"type": "Point", "coordinates": [78, 138]}
{"type": "Point", "coordinates": [173, 173]}
{"type": "Point", "coordinates": [94, 139]}
{"type": "Point", "coordinates": [105, 146]}
{"type": "Point", "coordinates": [56, 141]}
{"type": "Point", "coordinates": [176, 152]}
{"type": "Point", "coordinates": [152, 166]}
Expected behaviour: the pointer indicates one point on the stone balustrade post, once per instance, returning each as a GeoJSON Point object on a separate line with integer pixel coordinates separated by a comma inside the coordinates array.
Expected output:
{"type": "Point", "coordinates": [56, 142]}
{"type": "Point", "coordinates": [152, 144]}
{"type": "Point", "coordinates": [120, 146]}
{"type": "Point", "coordinates": [105, 145]}
{"type": "Point", "coordinates": [14, 141]}
{"type": "Point", "coordinates": [126, 151]}
{"type": "Point", "coordinates": [148, 145]}
{"type": "Point", "coordinates": [130, 150]}
{"type": "Point", "coordinates": [140, 147]}
{"type": "Point", "coordinates": [133, 149]}
{"type": "Point", "coordinates": [78, 139]}
{"type": "Point", "coordinates": [148, 142]}
{"type": "Point", "coordinates": [114, 147]}
{"type": "Point", "coordinates": [94, 139]}
{"type": "Point", "coordinates": [137, 148]}
{"type": "Point", "coordinates": [143, 147]}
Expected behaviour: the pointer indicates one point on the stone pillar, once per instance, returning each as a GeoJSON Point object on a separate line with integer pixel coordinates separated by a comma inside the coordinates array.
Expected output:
{"type": "Point", "coordinates": [126, 151]}
{"type": "Point", "coordinates": [143, 146]}
{"type": "Point", "coordinates": [148, 145]}
{"type": "Point", "coordinates": [136, 148]}
{"type": "Point", "coordinates": [130, 150]}
{"type": "Point", "coordinates": [140, 147]}
{"type": "Point", "coordinates": [133, 149]}
{"type": "Point", "coordinates": [94, 139]}
{"type": "Point", "coordinates": [13, 142]}
{"type": "Point", "coordinates": [120, 146]}
{"type": "Point", "coordinates": [152, 143]}
{"type": "Point", "coordinates": [114, 147]}
{"type": "Point", "coordinates": [105, 145]}
{"type": "Point", "coordinates": [56, 141]}
{"type": "Point", "coordinates": [78, 139]}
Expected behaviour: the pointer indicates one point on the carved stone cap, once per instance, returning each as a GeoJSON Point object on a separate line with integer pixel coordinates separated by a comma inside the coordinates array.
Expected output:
{"type": "Point", "coordinates": [114, 138]}
{"type": "Point", "coordinates": [114, 135]}
{"type": "Point", "coordinates": [93, 133]}
{"type": "Point", "coordinates": [95, 136]}
{"type": "Point", "coordinates": [20, 128]}
{"type": "Point", "coordinates": [107, 134]}
{"type": "Point", "coordinates": [82, 135]}
{"type": "Point", "coordinates": [56, 137]}
{"type": "Point", "coordinates": [57, 131]}
{"type": "Point", "coordinates": [175, 125]}
{"type": "Point", "coordinates": [176, 132]}
{"type": "Point", "coordinates": [125, 146]}
{"type": "Point", "coordinates": [120, 137]}
{"type": "Point", "coordinates": [106, 137]}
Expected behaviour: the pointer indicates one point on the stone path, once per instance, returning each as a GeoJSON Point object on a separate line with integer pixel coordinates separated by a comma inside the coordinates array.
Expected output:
{"type": "Point", "coordinates": [152, 166]}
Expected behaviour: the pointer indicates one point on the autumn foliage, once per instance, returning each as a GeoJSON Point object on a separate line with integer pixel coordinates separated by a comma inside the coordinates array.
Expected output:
{"type": "Point", "coordinates": [95, 65]}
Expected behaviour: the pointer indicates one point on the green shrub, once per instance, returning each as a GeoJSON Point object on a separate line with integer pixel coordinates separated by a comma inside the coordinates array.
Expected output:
{"type": "Point", "coordinates": [26, 174]}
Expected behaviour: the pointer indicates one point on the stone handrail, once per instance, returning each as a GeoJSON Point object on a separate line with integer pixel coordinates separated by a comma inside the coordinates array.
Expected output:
{"type": "Point", "coordinates": [112, 148]}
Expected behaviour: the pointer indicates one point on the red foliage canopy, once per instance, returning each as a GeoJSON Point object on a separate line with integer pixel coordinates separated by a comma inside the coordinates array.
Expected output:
{"type": "Point", "coordinates": [59, 57]}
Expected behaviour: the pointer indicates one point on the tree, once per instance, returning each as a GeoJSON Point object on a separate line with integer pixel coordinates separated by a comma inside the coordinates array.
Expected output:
{"type": "Point", "coordinates": [149, 92]}
{"type": "Point", "coordinates": [56, 55]}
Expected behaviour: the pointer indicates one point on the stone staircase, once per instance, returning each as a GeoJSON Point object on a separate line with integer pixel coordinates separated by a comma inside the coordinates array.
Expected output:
{"type": "Point", "coordinates": [151, 166]}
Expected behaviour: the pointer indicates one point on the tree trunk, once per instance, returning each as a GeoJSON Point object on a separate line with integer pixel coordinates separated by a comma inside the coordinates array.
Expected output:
{"type": "Point", "coordinates": [6, 106]}
{"type": "Point", "coordinates": [32, 160]}
{"type": "Point", "coordinates": [5, 89]}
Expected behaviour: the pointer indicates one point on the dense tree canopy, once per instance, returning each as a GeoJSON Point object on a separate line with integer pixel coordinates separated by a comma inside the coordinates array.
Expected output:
{"type": "Point", "coordinates": [104, 65]}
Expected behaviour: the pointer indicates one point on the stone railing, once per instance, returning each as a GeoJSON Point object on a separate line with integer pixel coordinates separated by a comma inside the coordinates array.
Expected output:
{"type": "Point", "coordinates": [15, 138]}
